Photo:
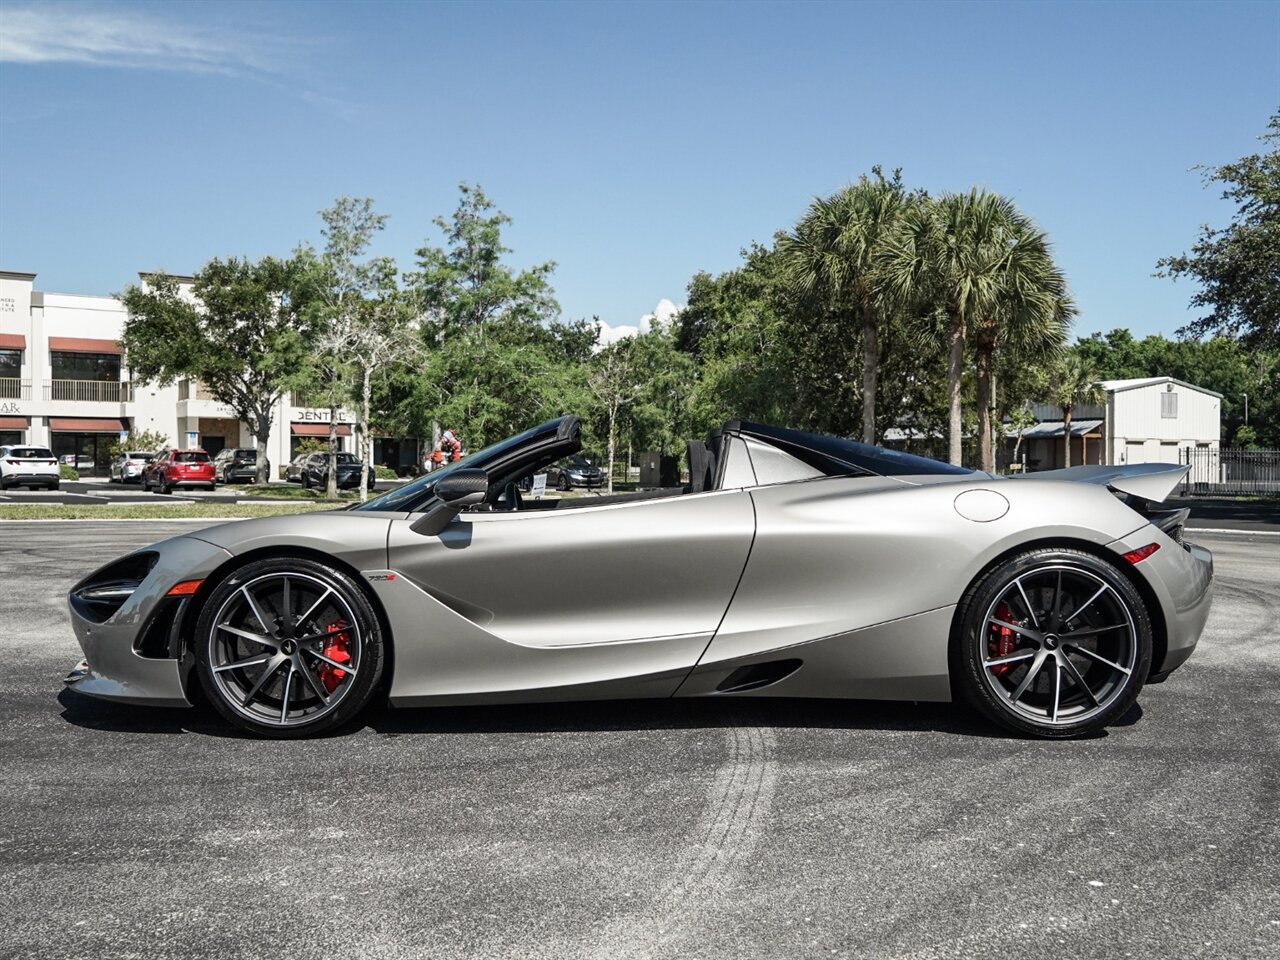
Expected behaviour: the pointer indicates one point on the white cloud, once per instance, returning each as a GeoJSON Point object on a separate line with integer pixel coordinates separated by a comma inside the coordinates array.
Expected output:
{"type": "Point", "coordinates": [663, 314]}
{"type": "Point", "coordinates": [71, 33]}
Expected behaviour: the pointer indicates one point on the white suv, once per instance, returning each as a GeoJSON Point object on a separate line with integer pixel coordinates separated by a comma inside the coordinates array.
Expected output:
{"type": "Point", "coordinates": [32, 466]}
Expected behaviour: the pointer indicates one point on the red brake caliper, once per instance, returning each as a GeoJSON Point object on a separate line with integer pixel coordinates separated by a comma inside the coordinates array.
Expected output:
{"type": "Point", "coordinates": [1003, 640]}
{"type": "Point", "coordinates": [336, 648]}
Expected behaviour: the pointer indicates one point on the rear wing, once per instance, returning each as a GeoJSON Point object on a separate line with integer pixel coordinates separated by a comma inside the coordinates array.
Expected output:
{"type": "Point", "coordinates": [1149, 481]}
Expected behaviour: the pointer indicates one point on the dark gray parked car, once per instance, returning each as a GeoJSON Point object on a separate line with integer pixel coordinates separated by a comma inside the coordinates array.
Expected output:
{"type": "Point", "coordinates": [235, 465]}
{"type": "Point", "coordinates": [312, 470]}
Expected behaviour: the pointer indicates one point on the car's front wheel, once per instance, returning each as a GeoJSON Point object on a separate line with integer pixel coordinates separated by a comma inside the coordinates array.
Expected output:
{"type": "Point", "coordinates": [289, 648]}
{"type": "Point", "coordinates": [1053, 643]}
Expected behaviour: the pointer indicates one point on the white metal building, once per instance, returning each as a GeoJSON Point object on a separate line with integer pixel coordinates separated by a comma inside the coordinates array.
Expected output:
{"type": "Point", "coordinates": [64, 383]}
{"type": "Point", "coordinates": [1146, 420]}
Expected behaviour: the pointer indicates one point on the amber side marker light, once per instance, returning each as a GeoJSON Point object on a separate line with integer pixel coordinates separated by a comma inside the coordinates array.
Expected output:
{"type": "Point", "coordinates": [187, 587]}
{"type": "Point", "coordinates": [1136, 556]}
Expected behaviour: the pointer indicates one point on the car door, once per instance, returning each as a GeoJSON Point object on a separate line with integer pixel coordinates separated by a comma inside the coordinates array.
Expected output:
{"type": "Point", "coordinates": [617, 600]}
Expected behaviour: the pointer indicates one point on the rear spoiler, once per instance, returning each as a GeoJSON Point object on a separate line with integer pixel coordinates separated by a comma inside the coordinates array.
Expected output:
{"type": "Point", "coordinates": [1149, 481]}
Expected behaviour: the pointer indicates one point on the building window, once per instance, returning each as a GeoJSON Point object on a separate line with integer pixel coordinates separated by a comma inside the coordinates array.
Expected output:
{"type": "Point", "coordinates": [10, 375]}
{"type": "Point", "coordinates": [98, 367]}
{"type": "Point", "coordinates": [1169, 406]}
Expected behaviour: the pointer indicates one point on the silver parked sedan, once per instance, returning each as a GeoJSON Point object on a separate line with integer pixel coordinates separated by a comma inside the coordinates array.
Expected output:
{"type": "Point", "coordinates": [791, 565]}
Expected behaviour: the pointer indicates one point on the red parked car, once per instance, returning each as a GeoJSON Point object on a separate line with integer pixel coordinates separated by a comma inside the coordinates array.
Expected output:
{"type": "Point", "coordinates": [178, 468]}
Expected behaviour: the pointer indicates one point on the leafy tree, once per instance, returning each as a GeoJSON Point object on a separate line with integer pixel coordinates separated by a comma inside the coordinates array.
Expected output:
{"type": "Point", "coordinates": [1074, 384]}
{"type": "Point", "coordinates": [466, 285]}
{"type": "Point", "coordinates": [242, 333]}
{"type": "Point", "coordinates": [350, 289]}
{"type": "Point", "coordinates": [495, 362]}
{"type": "Point", "coordinates": [138, 440]}
{"type": "Point", "coordinates": [616, 380]}
{"type": "Point", "coordinates": [959, 259]}
{"type": "Point", "coordinates": [835, 253]}
{"type": "Point", "coordinates": [1238, 266]}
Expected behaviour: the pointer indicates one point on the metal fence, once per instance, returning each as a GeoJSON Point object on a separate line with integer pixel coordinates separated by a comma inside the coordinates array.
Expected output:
{"type": "Point", "coordinates": [1233, 472]}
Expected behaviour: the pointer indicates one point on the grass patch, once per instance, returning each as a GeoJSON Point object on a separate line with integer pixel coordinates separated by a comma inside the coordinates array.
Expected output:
{"type": "Point", "coordinates": [153, 511]}
{"type": "Point", "coordinates": [280, 491]}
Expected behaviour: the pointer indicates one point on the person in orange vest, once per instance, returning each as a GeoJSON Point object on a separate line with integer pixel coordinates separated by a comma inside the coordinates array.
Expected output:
{"type": "Point", "coordinates": [451, 445]}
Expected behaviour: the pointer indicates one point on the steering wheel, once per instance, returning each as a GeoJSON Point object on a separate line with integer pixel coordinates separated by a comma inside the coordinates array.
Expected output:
{"type": "Point", "coordinates": [511, 497]}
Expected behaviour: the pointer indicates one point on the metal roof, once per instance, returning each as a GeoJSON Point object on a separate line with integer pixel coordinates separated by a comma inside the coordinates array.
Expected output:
{"type": "Point", "coordinates": [1116, 386]}
{"type": "Point", "coordinates": [1053, 428]}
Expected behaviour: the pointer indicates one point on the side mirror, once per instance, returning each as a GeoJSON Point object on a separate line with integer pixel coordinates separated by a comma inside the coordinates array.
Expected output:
{"type": "Point", "coordinates": [460, 489]}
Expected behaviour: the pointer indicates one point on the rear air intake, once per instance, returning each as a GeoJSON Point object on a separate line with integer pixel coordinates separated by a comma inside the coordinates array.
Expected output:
{"type": "Point", "coordinates": [757, 675]}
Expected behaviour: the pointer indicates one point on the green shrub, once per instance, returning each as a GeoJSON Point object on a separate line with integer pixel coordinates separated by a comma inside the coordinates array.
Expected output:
{"type": "Point", "coordinates": [384, 473]}
{"type": "Point", "coordinates": [68, 473]}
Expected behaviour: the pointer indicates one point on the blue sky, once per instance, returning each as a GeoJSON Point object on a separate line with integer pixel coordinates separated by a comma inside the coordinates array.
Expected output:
{"type": "Point", "coordinates": [634, 144]}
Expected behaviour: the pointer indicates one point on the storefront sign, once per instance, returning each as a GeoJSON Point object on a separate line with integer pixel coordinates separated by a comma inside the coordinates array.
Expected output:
{"type": "Point", "coordinates": [314, 416]}
{"type": "Point", "coordinates": [10, 407]}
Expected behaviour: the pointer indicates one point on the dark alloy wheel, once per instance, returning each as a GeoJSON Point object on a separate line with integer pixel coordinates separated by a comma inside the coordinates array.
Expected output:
{"type": "Point", "coordinates": [288, 648]}
{"type": "Point", "coordinates": [1054, 643]}
{"type": "Point", "coordinates": [562, 483]}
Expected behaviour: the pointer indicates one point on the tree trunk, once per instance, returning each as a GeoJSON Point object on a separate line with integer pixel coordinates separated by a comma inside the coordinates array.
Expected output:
{"type": "Point", "coordinates": [262, 437]}
{"type": "Point", "coordinates": [984, 408]}
{"type": "Point", "coordinates": [955, 376]}
{"type": "Point", "coordinates": [366, 448]}
{"type": "Point", "coordinates": [331, 487]}
{"type": "Point", "coordinates": [613, 416]}
{"type": "Point", "coordinates": [870, 366]}
{"type": "Point", "coordinates": [1066, 436]}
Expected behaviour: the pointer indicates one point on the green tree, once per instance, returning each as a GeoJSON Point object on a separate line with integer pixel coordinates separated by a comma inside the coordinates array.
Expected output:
{"type": "Point", "coordinates": [138, 440]}
{"type": "Point", "coordinates": [496, 361]}
{"type": "Point", "coordinates": [951, 257]}
{"type": "Point", "coordinates": [465, 284]}
{"type": "Point", "coordinates": [353, 320]}
{"type": "Point", "coordinates": [1028, 319]}
{"type": "Point", "coordinates": [835, 254]}
{"type": "Point", "coordinates": [244, 335]}
{"type": "Point", "coordinates": [1074, 384]}
{"type": "Point", "coordinates": [1238, 266]}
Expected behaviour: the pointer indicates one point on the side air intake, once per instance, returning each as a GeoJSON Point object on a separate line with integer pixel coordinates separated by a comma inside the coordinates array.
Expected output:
{"type": "Point", "coordinates": [757, 675]}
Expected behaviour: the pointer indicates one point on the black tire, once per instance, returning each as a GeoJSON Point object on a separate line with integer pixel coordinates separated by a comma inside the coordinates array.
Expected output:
{"type": "Point", "coordinates": [1034, 610]}
{"type": "Point", "coordinates": [164, 485]}
{"type": "Point", "coordinates": [313, 716]}
{"type": "Point", "coordinates": [562, 483]}
{"type": "Point", "coordinates": [306, 481]}
{"type": "Point", "coordinates": [54, 485]}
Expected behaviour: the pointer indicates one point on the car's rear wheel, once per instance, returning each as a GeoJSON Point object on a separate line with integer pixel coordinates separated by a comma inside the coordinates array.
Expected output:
{"type": "Point", "coordinates": [289, 648]}
{"type": "Point", "coordinates": [1054, 643]}
{"type": "Point", "coordinates": [562, 483]}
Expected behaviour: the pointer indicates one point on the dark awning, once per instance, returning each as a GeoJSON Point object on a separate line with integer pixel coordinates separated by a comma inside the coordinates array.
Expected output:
{"type": "Point", "coordinates": [89, 424]}
{"type": "Point", "coordinates": [317, 429]}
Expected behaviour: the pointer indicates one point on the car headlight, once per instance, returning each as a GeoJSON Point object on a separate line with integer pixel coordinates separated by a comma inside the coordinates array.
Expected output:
{"type": "Point", "coordinates": [101, 594]}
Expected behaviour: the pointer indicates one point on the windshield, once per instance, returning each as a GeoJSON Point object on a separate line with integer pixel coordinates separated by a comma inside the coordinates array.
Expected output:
{"type": "Point", "coordinates": [348, 458]}
{"type": "Point", "coordinates": [398, 500]}
{"type": "Point", "coordinates": [30, 453]}
{"type": "Point", "coordinates": [578, 461]}
{"type": "Point", "coordinates": [139, 455]}
{"type": "Point", "coordinates": [191, 456]}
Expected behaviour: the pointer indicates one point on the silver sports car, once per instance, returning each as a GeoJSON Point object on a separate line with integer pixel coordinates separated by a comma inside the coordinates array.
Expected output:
{"type": "Point", "coordinates": [791, 565]}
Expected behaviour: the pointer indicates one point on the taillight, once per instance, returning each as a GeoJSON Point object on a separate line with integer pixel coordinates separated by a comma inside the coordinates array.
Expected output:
{"type": "Point", "coordinates": [1137, 556]}
{"type": "Point", "coordinates": [12, 463]}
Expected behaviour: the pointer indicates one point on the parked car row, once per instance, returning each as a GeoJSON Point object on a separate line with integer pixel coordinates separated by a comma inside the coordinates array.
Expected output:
{"type": "Point", "coordinates": [312, 470]}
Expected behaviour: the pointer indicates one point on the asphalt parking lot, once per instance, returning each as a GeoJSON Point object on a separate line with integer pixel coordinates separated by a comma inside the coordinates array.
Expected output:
{"type": "Point", "coordinates": [659, 829]}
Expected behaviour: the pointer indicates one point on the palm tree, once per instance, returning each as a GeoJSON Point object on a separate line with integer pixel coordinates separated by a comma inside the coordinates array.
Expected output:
{"type": "Point", "coordinates": [1029, 320]}
{"type": "Point", "coordinates": [1075, 385]}
{"type": "Point", "coordinates": [834, 253]}
{"type": "Point", "coordinates": [951, 255]}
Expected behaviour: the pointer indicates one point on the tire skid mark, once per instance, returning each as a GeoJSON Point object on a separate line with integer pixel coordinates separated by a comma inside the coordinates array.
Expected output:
{"type": "Point", "coordinates": [727, 833]}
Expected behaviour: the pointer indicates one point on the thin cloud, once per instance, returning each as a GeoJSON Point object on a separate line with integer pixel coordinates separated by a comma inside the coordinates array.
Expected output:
{"type": "Point", "coordinates": [71, 33]}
